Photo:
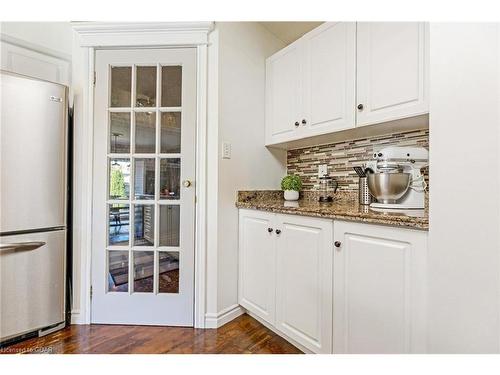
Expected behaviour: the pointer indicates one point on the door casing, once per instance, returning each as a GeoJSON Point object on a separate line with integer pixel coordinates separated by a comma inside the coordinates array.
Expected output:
{"type": "Point", "coordinates": [90, 36]}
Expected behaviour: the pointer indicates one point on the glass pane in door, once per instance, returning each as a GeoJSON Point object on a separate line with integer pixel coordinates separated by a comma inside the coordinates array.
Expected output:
{"type": "Point", "coordinates": [143, 271]}
{"type": "Point", "coordinates": [144, 178]}
{"type": "Point", "coordinates": [117, 271]}
{"type": "Point", "coordinates": [170, 178]}
{"type": "Point", "coordinates": [121, 86]}
{"type": "Point", "coordinates": [118, 224]}
{"type": "Point", "coordinates": [144, 225]}
{"type": "Point", "coordinates": [171, 86]}
{"type": "Point", "coordinates": [145, 86]}
{"type": "Point", "coordinates": [168, 272]}
{"type": "Point", "coordinates": [170, 132]}
{"type": "Point", "coordinates": [169, 225]}
{"type": "Point", "coordinates": [119, 132]}
{"type": "Point", "coordinates": [119, 178]}
{"type": "Point", "coordinates": [145, 132]}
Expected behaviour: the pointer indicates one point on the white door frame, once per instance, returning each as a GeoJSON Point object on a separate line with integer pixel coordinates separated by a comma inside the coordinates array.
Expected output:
{"type": "Point", "coordinates": [89, 36]}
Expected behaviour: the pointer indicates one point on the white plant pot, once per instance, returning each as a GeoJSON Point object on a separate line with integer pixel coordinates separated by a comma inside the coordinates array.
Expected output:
{"type": "Point", "coordinates": [291, 195]}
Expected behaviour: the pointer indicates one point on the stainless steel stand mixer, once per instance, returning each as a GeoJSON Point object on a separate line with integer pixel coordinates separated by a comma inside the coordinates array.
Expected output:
{"type": "Point", "coordinates": [395, 178]}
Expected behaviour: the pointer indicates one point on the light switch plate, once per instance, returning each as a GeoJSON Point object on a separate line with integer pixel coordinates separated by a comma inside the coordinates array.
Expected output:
{"type": "Point", "coordinates": [322, 170]}
{"type": "Point", "coordinates": [226, 150]}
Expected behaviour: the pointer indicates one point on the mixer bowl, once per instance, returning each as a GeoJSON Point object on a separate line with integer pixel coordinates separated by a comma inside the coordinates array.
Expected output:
{"type": "Point", "coordinates": [388, 187]}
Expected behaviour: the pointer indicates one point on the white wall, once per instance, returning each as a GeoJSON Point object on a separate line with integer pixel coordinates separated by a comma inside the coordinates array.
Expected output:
{"type": "Point", "coordinates": [464, 244]}
{"type": "Point", "coordinates": [242, 50]}
{"type": "Point", "coordinates": [52, 38]}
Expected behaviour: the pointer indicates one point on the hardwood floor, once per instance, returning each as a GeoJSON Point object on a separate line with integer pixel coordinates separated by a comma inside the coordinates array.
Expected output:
{"type": "Point", "coordinates": [242, 335]}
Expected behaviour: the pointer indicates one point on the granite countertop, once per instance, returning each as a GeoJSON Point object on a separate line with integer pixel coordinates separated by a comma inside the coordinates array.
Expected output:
{"type": "Point", "coordinates": [344, 207]}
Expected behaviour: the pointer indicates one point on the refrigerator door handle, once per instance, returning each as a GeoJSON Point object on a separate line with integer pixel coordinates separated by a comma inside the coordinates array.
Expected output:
{"type": "Point", "coordinates": [21, 246]}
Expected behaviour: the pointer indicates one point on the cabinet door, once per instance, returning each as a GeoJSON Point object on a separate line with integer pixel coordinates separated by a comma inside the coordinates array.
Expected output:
{"type": "Point", "coordinates": [329, 78]}
{"type": "Point", "coordinates": [28, 62]}
{"type": "Point", "coordinates": [379, 289]}
{"type": "Point", "coordinates": [257, 263]}
{"type": "Point", "coordinates": [392, 70]}
{"type": "Point", "coordinates": [304, 281]}
{"type": "Point", "coordinates": [283, 96]}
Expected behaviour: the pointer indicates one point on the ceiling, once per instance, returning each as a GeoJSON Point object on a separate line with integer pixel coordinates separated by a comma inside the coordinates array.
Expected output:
{"type": "Point", "coordinates": [289, 32]}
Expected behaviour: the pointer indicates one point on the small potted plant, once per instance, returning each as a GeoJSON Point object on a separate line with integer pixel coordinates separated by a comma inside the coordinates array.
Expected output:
{"type": "Point", "coordinates": [291, 186]}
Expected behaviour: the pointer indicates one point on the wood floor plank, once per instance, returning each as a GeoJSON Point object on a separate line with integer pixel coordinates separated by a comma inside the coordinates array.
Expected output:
{"type": "Point", "coordinates": [242, 335]}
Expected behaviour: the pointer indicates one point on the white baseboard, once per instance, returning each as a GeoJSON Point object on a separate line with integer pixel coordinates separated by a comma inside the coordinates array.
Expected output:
{"type": "Point", "coordinates": [211, 320]}
{"type": "Point", "coordinates": [76, 317]}
{"type": "Point", "coordinates": [224, 316]}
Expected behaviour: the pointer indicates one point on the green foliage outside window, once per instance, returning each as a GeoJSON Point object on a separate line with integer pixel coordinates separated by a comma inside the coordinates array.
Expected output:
{"type": "Point", "coordinates": [117, 184]}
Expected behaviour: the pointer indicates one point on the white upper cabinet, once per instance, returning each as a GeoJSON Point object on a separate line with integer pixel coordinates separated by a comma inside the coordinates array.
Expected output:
{"type": "Point", "coordinates": [35, 64]}
{"type": "Point", "coordinates": [392, 71]}
{"type": "Point", "coordinates": [329, 78]}
{"type": "Point", "coordinates": [379, 289]}
{"type": "Point", "coordinates": [283, 93]}
{"type": "Point", "coordinates": [310, 84]}
{"type": "Point", "coordinates": [344, 75]}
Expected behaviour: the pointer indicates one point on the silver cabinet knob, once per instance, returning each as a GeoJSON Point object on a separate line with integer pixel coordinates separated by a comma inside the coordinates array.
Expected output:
{"type": "Point", "coordinates": [186, 183]}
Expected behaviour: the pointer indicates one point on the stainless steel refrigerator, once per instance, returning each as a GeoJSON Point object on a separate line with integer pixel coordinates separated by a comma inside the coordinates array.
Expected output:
{"type": "Point", "coordinates": [33, 194]}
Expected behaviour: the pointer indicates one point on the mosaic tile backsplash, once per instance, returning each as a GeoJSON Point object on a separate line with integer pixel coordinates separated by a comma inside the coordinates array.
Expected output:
{"type": "Point", "coordinates": [342, 156]}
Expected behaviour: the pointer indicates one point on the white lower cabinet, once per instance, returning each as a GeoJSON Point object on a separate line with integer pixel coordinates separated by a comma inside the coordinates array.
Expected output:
{"type": "Point", "coordinates": [379, 289]}
{"type": "Point", "coordinates": [335, 287]}
{"type": "Point", "coordinates": [288, 271]}
{"type": "Point", "coordinates": [257, 263]}
{"type": "Point", "coordinates": [304, 280]}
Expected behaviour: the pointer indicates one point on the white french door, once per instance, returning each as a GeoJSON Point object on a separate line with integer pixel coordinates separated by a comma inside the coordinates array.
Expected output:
{"type": "Point", "coordinates": [143, 196]}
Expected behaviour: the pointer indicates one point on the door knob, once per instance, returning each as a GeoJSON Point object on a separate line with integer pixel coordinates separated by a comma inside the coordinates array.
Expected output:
{"type": "Point", "coordinates": [304, 121]}
{"type": "Point", "coordinates": [186, 183]}
{"type": "Point", "coordinates": [337, 243]}
{"type": "Point", "coordinates": [270, 230]}
{"type": "Point", "coordinates": [360, 107]}
{"type": "Point", "coordinates": [278, 231]}
{"type": "Point", "coordinates": [296, 123]}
